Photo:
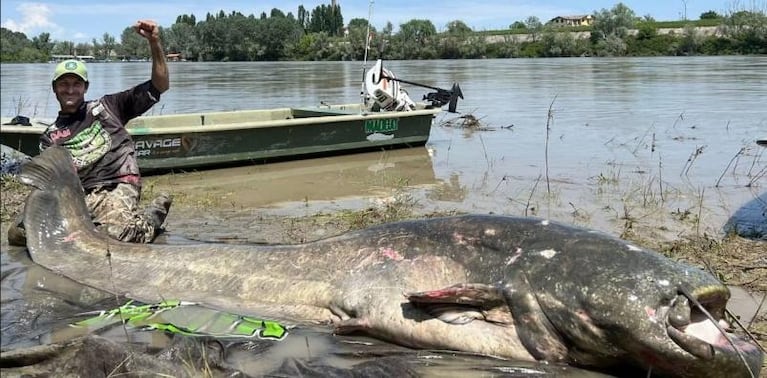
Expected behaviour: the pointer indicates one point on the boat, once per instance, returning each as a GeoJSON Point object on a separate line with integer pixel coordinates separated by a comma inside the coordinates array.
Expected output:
{"type": "Point", "coordinates": [210, 139]}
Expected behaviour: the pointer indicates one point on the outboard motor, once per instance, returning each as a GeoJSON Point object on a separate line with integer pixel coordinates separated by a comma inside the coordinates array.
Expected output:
{"type": "Point", "coordinates": [384, 90]}
{"type": "Point", "coordinates": [382, 87]}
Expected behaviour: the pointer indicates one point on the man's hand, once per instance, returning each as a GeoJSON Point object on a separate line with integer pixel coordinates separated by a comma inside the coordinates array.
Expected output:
{"type": "Point", "coordinates": [148, 29]}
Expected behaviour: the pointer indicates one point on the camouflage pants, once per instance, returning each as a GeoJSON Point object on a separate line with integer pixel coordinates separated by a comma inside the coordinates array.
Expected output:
{"type": "Point", "coordinates": [116, 212]}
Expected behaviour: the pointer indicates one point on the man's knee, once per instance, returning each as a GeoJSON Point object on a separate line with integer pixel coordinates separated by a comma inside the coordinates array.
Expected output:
{"type": "Point", "coordinates": [122, 220]}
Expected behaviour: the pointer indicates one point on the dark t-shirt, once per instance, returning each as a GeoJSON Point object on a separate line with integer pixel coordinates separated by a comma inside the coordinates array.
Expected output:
{"type": "Point", "coordinates": [95, 135]}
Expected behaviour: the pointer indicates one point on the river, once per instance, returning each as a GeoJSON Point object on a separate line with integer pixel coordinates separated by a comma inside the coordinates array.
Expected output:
{"type": "Point", "coordinates": [663, 144]}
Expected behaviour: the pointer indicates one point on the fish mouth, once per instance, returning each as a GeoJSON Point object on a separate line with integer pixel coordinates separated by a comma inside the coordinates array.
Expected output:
{"type": "Point", "coordinates": [695, 322]}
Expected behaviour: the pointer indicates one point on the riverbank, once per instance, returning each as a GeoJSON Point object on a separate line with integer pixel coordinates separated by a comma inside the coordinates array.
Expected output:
{"type": "Point", "coordinates": [736, 261]}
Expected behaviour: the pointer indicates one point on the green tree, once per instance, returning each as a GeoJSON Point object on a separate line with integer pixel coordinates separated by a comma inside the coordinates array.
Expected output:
{"type": "Point", "coordinates": [103, 49]}
{"type": "Point", "coordinates": [303, 17]}
{"type": "Point", "coordinates": [649, 43]}
{"type": "Point", "coordinates": [710, 15]}
{"type": "Point", "coordinates": [561, 44]}
{"type": "Point", "coordinates": [183, 38]}
{"type": "Point", "coordinates": [214, 37]}
{"type": "Point", "coordinates": [190, 19]}
{"type": "Point", "coordinates": [646, 30]}
{"type": "Point", "coordinates": [132, 45]}
{"type": "Point", "coordinates": [355, 40]}
{"type": "Point", "coordinates": [473, 47]}
{"type": "Point", "coordinates": [64, 48]}
{"type": "Point", "coordinates": [534, 28]}
{"type": "Point", "coordinates": [16, 47]}
{"type": "Point", "coordinates": [690, 42]}
{"type": "Point", "coordinates": [416, 37]}
{"type": "Point", "coordinates": [458, 27]}
{"type": "Point", "coordinates": [319, 47]}
{"type": "Point", "coordinates": [615, 22]}
{"type": "Point", "coordinates": [359, 23]}
{"type": "Point", "coordinates": [611, 46]}
{"type": "Point", "coordinates": [44, 44]}
{"type": "Point", "coordinates": [97, 49]}
{"type": "Point", "coordinates": [83, 49]}
{"type": "Point", "coordinates": [275, 37]}
{"type": "Point", "coordinates": [383, 39]}
{"type": "Point", "coordinates": [108, 44]}
{"type": "Point", "coordinates": [241, 35]}
{"type": "Point", "coordinates": [453, 40]}
{"type": "Point", "coordinates": [747, 30]}
{"type": "Point", "coordinates": [518, 25]}
{"type": "Point", "coordinates": [327, 18]}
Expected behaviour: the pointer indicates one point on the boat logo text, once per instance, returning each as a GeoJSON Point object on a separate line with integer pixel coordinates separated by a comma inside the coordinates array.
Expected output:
{"type": "Point", "coordinates": [381, 125]}
{"type": "Point", "coordinates": [145, 147]}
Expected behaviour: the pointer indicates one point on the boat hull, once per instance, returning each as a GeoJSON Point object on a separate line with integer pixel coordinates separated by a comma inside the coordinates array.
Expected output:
{"type": "Point", "coordinates": [206, 140]}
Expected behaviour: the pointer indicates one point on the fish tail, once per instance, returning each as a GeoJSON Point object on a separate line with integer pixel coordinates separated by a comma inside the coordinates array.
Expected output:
{"type": "Point", "coordinates": [51, 169]}
{"type": "Point", "coordinates": [56, 205]}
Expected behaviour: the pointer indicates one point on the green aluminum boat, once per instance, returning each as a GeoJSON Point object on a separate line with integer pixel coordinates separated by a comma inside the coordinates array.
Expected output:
{"type": "Point", "coordinates": [210, 139]}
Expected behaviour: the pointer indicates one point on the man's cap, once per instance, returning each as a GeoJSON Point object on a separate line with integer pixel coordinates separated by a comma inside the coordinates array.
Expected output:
{"type": "Point", "coordinates": [71, 66]}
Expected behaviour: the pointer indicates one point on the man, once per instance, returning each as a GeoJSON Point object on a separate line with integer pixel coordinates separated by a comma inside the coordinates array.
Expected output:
{"type": "Point", "coordinates": [103, 151]}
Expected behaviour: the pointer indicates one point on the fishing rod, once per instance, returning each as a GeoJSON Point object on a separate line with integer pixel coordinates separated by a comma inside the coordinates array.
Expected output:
{"type": "Point", "coordinates": [365, 58]}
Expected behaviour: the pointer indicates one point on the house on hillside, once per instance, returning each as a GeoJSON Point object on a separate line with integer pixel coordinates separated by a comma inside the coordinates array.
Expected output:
{"type": "Point", "coordinates": [584, 20]}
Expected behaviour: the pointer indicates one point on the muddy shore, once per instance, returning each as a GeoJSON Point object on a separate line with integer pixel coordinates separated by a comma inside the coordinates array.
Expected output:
{"type": "Point", "coordinates": [737, 261]}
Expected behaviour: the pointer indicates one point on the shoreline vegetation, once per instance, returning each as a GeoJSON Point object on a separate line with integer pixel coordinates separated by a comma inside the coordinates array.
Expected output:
{"type": "Point", "coordinates": [322, 35]}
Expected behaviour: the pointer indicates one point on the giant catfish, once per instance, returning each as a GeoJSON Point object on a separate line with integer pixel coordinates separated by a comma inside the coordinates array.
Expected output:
{"type": "Point", "coordinates": [518, 288]}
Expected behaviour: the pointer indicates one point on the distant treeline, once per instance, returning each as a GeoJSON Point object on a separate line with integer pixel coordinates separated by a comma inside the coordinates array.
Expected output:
{"type": "Point", "coordinates": [322, 35]}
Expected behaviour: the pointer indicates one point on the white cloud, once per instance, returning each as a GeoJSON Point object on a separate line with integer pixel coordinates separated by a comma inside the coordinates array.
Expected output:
{"type": "Point", "coordinates": [33, 18]}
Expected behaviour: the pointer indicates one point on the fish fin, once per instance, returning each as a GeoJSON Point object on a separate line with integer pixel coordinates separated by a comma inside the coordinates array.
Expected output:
{"type": "Point", "coordinates": [475, 294]}
{"type": "Point", "coordinates": [452, 313]}
{"type": "Point", "coordinates": [463, 303]}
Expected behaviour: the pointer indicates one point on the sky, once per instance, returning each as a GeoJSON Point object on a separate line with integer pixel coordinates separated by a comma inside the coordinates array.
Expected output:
{"type": "Point", "coordinates": [83, 20]}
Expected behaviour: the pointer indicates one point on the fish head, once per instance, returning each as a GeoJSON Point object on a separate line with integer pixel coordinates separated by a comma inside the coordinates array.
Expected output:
{"type": "Point", "coordinates": [661, 315]}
